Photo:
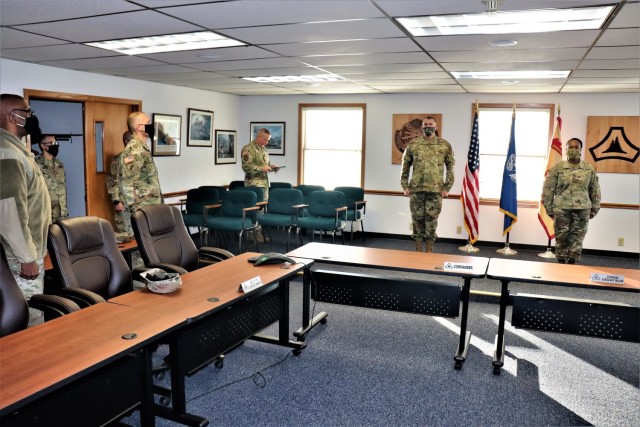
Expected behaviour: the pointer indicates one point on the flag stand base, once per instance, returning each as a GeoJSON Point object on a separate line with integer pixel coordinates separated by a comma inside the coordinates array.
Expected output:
{"type": "Point", "coordinates": [468, 248]}
{"type": "Point", "coordinates": [548, 254]}
{"type": "Point", "coordinates": [507, 250]}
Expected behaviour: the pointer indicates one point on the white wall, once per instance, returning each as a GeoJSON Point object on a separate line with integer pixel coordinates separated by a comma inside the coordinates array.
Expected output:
{"type": "Point", "coordinates": [385, 214]}
{"type": "Point", "coordinates": [390, 214]}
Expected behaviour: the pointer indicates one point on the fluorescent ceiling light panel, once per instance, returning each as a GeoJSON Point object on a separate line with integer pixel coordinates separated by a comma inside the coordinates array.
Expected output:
{"type": "Point", "coordinates": [168, 43]}
{"type": "Point", "coordinates": [316, 78]}
{"type": "Point", "coordinates": [526, 21]}
{"type": "Point", "coordinates": [510, 75]}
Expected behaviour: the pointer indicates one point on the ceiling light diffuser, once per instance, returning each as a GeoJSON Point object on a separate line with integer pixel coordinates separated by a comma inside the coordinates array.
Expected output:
{"type": "Point", "coordinates": [514, 22]}
{"type": "Point", "coordinates": [315, 78]}
{"type": "Point", "coordinates": [510, 75]}
{"type": "Point", "coordinates": [168, 43]}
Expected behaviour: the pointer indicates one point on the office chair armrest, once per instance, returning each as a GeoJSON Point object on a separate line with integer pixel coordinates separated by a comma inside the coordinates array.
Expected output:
{"type": "Point", "coordinates": [82, 297]}
{"type": "Point", "coordinates": [341, 213]}
{"type": "Point", "coordinates": [169, 268]}
{"type": "Point", "coordinates": [209, 253]}
{"type": "Point", "coordinates": [253, 210]}
{"type": "Point", "coordinates": [296, 211]}
{"type": "Point", "coordinates": [262, 205]}
{"type": "Point", "coordinates": [52, 305]}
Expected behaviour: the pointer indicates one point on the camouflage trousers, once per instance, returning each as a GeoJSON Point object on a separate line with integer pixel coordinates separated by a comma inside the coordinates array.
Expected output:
{"type": "Point", "coordinates": [29, 287]}
{"type": "Point", "coordinates": [56, 212]}
{"type": "Point", "coordinates": [425, 209]}
{"type": "Point", "coordinates": [123, 222]}
{"type": "Point", "coordinates": [570, 226]}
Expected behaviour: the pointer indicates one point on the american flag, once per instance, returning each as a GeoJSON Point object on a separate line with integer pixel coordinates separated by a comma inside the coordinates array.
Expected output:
{"type": "Point", "coordinates": [471, 185]}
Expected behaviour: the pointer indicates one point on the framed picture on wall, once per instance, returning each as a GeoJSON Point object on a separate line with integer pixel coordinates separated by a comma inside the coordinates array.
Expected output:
{"type": "Point", "coordinates": [200, 129]}
{"type": "Point", "coordinates": [276, 143]}
{"type": "Point", "coordinates": [166, 140]}
{"type": "Point", "coordinates": [226, 146]}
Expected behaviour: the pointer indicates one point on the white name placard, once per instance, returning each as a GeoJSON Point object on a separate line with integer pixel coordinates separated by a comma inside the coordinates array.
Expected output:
{"type": "Point", "coordinates": [251, 284]}
{"type": "Point", "coordinates": [607, 278]}
{"type": "Point", "coordinates": [458, 266]}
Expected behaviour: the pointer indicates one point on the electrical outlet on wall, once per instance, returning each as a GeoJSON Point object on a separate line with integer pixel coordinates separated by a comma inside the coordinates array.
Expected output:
{"type": "Point", "coordinates": [620, 241]}
{"type": "Point", "coordinates": [459, 230]}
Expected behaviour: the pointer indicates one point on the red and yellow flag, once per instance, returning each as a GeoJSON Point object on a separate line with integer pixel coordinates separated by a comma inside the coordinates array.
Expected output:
{"type": "Point", "coordinates": [554, 156]}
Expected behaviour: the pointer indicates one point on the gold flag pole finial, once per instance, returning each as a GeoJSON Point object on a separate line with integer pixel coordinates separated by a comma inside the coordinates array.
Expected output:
{"type": "Point", "coordinates": [477, 105]}
{"type": "Point", "coordinates": [558, 109]}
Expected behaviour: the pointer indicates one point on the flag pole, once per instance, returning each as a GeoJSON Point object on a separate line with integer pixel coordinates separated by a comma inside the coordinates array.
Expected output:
{"type": "Point", "coordinates": [549, 254]}
{"type": "Point", "coordinates": [469, 248]}
{"type": "Point", "coordinates": [507, 250]}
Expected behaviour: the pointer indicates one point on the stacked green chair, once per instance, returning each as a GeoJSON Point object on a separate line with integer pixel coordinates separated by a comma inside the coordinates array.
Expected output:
{"type": "Point", "coordinates": [194, 212]}
{"type": "Point", "coordinates": [280, 211]}
{"type": "Point", "coordinates": [326, 212]}
{"type": "Point", "coordinates": [356, 207]}
{"type": "Point", "coordinates": [274, 185]}
{"type": "Point", "coordinates": [235, 184]}
{"type": "Point", "coordinates": [236, 213]}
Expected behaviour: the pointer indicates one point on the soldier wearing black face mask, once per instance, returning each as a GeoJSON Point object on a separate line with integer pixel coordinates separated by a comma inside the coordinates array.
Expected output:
{"type": "Point", "coordinates": [25, 207]}
{"type": "Point", "coordinates": [54, 176]}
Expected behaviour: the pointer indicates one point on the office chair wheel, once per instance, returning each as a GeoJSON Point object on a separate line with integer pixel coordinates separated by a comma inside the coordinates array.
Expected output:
{"type": "Point", "coordinates": [158, 375]}
{"type": "Point", "coordinates": [219, 363]}
{"type": "Point", "coordinates": [296, 351]}
{"type": "Point", "coordinates": [496, 370]}
{"type": "Point", "coordinates": [165, 401]}
{"type": "Point", "coordinates": [323, 321]}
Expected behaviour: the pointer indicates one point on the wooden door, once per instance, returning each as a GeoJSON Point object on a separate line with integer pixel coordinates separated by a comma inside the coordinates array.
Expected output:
{"type": "Point", "coordinates": [104, 124]}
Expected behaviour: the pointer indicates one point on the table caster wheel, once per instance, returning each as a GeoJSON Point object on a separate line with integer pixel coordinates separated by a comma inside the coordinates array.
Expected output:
{"type": "Point", "coordinates": [219, 363]}
{"type": "Point", "coordinates": [324, 321]}
{"type": "Point", "coordinates": [496, 370]}
{"type": "Point", "coordinates": [165, 401]}
{"type": "Point", "coordinates": [458, 364]}
{"type": "Point", "coordinates": [297, 351]}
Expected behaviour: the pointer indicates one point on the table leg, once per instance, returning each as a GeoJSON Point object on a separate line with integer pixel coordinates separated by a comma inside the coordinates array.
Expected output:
{"type": "Point", "coordinates": [498, 354]}
{"type": "Point", "coordinates": [308, 325]}
{"type": "Point", "coordinates": [465, 336]}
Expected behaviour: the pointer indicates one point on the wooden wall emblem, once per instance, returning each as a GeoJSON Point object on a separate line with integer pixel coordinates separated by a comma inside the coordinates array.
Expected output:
{"type": "Point", "coordinates": [406, 127]}
{"type": "Point", "coordinates": [613, 144]}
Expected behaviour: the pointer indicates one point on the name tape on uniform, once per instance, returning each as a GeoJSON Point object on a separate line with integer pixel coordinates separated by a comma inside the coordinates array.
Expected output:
{"type": "Point", "coordinates": [457, 266]}
{"type": "Point", "coordinates": [607, 278]}
{"type": "Point", "coordinates": [250, 284]}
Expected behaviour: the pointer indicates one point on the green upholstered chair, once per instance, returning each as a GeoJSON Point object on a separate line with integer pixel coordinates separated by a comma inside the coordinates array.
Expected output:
{"type": "Point", "coordinates": [235, 184]}
{"type": "Point", "coordinates": [280, 211]}
{"type": "Point", "coordinates": [195, 206]}
{"type": "Point", "coordinates": [274, 185]}
{"type": "Point", "coordinates": [356, 207]}
{"type": "Point", "coordinates": [326, 212]}
{"type": "Point", "coordinates": [236, 213]}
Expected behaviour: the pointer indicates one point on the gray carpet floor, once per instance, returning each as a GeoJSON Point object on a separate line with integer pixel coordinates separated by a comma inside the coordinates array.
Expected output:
{"type": "Point", "coordinates": [368, 367]}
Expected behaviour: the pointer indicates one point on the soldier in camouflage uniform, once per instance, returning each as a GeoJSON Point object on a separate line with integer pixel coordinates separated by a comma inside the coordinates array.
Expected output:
{"type": "Point", "coordinates": [53, 172]}
{"type": "Point", "coordinates": [256, 164]}
{"type": "Point", "coordinates": [121, 215]}
{"type": "Point", "coordinates": [140, 185]}
{"type": "Point", "coordinates": [25, 207]}
{"type": "Point", "coordinates": [571, 196]}
{"type": "Point", "coordinates": [428, 155]}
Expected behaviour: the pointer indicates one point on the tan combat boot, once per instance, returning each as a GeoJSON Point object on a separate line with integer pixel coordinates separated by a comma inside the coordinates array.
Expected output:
{"type": "Point", "coordinates": [418, 246]}
{"type": "Point", "coordinates": [429, 247]}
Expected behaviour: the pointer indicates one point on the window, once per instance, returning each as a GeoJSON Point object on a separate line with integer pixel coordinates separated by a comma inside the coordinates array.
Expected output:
{"type": "Point", "coordinates": [331, 151]}
{"type": "Point", "coordinates": [534, 127]}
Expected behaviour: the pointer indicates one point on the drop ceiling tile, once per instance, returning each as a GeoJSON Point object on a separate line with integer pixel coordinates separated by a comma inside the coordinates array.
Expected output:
{"type": "Point", "coordinates": [16, 12]}
{"type": "Point", "coordinates": [620, 37]}
{"type": "Point", "coordinates": [609, 64]}
{"type": "Point", "coordinates": [212, 55]}
{"type": "Point", "coordinates": [364, 59]}
{"type": "Point", "coordinates": [258, 72]}
{"type": "Point", "coordinates": [57, 52]}
{"type": "Point", "coordinates": [103, 64]}
{"type": "Point", "coordinates": [622, 52]}
{"type": "Point", "coordinates": [631, 72]}
{"type": "Point", "coordinates": [12, 39]}
{"type": "Point", "coordinates": [516, 55]}
{"type": "Point", "coordinates": [628, 17]}
{"type": "Point", "coordinates": [525, 41]}
{"type": "Point", "coordinates": [511, 66]}
{"type": "Point", "coordinates": [344, 47]}
{"type": "Point", "coordinates": [408, 68]}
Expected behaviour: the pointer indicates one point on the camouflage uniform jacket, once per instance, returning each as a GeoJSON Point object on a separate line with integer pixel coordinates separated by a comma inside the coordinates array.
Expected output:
{"type": "Point", "coordinates": [54, 176]}
{"type": "Point", "coordinates": [428, 158]}
{"type": "Point", "coordinates": [254, 158]}
{"type": "Point", "coordinates": [140, 185]}
{"type": "Point", "coordinates": [25, 207]}
{"type": "Point", "coordinates": [570, 186]}
{"type": "Point", "coordinates": [113, 179]}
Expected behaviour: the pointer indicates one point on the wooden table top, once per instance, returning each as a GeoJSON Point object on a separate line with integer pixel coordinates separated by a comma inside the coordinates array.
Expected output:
{"type": "Point", "coordinates": [220, 280]}
{"type": "Point", "coordinates": [391, 259]}
{"type": "Point", "coordinates": [561, 274]}
{"type": "Point", "coordinates": [43, 358]}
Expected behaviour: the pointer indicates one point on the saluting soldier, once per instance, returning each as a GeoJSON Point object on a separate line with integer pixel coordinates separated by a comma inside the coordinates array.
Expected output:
{"type": "Point", "coordinates": [114, 182]}
{"type": "Point", "coordinates": [428, 155]}
{"type": "Point", "coordinates": [571, 196]}
{"type": "Point", "coordinates": [256, 164]}
{"type": "Point", "coordinates": [140, 185]}
{"type": "Point", "coordinates": [53, 172]}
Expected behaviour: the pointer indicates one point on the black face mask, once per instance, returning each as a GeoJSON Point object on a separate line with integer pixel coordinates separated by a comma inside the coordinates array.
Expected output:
{"type": "Point", "coordinates": [150, 130]}
{"type": "Point", "coordinates": [428, 131]}
{"type": "Point", "coordinates": [32, 127]}
{"type": "Point", "coordinates": [53, 150]}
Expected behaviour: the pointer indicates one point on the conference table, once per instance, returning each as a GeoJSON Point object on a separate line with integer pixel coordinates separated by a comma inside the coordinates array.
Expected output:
{"type": "Point", "coordinates": [86, 368]}
{"type": "Point", "coordinates": [359, 287]}
{"type": "Point", "coordinates": [216, 317]}
{"type": "Point", "coordinates": [568, 315]}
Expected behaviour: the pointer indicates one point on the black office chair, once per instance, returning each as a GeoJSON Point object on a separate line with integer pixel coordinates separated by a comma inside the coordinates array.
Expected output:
{"type": "Point", "coordinates": [164, 241]}
{"type": "Point", "coordinates": [14, 309]}
{"type": "Point", "coordinates": [87, 263]}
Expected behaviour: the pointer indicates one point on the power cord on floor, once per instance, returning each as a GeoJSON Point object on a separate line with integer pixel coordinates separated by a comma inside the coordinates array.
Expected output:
{"type": "Point", "coordinates": [258, 379]}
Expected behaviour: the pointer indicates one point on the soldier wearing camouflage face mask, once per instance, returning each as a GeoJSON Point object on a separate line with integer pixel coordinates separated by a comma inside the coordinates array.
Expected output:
{"type": "Point", "coordinates": [571, 196]}
{"type": "Point", "coordinates": [428, 155]}
{"type": "Point", "coordinates": [53, 172]}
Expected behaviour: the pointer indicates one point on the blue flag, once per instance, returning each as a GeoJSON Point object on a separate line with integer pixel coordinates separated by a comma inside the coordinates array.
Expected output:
{"type": "Point", "coordinates": [509, 193]}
